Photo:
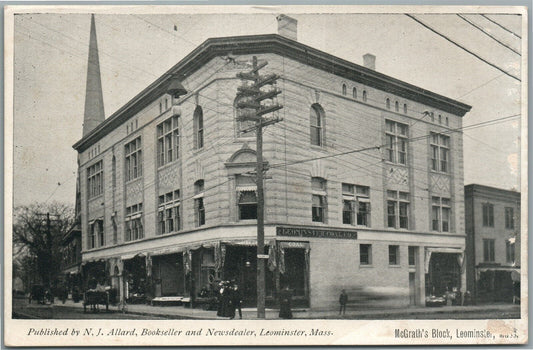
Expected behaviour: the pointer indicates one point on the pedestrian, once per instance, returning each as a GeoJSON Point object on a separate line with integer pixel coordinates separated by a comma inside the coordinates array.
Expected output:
{"type": "Point", "coordinates": [285, 302]}
{"type": "Point", "coordinates": [343, 299]}
{"type": "Point", "coordinates": [221, 301]}
{"type": "Point", "coordinates": [237, 299]}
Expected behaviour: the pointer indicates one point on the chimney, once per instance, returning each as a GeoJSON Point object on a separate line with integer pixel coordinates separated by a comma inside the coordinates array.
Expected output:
{"type": "Point", "coordinates": [287, 27]}
{"type": "Point", "coordinates": [369, 61]}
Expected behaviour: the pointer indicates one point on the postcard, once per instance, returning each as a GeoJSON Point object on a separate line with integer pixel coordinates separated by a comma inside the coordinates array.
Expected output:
{"type": "Point", "coordinates": [265, 175]}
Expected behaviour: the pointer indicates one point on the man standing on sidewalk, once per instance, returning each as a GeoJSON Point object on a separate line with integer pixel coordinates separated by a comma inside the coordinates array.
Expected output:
{"type": "Point", "coordinates": [343, 299]}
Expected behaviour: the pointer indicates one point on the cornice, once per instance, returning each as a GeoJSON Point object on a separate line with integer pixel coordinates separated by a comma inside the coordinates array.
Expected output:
{"type": "Point", "coordinates": [275, 44]}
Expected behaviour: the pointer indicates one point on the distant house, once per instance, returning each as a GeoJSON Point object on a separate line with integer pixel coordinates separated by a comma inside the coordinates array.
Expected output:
{"type": "Point", "coordinates": [493, 242]}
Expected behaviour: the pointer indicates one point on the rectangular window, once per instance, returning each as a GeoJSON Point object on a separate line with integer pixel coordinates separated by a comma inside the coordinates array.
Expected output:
{"type": "Point", "coordinates": [169, 219]}
{"type": "Point", "coordinates": [396, 142]}
{"type": "Point", "coordinates": [348, 204]}
{"type": "Point", "coordinates": [412, 255]}
{"type": "Point", "coordinates": [397, 209]}
{"type": "Point", "coordinates": [200, 211]}
{"type": "Point", "coordinates": [509, 218]}
{"type": "Point", "coordinates": [168, 139]}
{"type": "Point", "coordinates": [440, 214]}
{"type": "Point", "coordinates": [365, 254]}
{"type": "Point", "coordinates": [510, 252]}
{"type": "Point", "coordinates": [440, 152]}
{"type": "Point", "coordinates": [488, 215]}
{"type": "Point", "coordinates": [133, 159]}
{"type": "Point", "coordinates": [95, 180]}
{"type": "Point", "coordinates": [356, 205]}
{"type": "Point", "coordinates": [101, 236]}
{"type": "Point", "coordinates": [488, 250]}
{"type": "Point", "coordinates": [394, 255]}
{"type": "Point", "coordinates": [319, 199]}
{"type": "Point", "coordinates": [133, 222]}
{"type": "Point", "coordinates": [246, 197]}
{"type": "Point", "coordinates": [347, 211]}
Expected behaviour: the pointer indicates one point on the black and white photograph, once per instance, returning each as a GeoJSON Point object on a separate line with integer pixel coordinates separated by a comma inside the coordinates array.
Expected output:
{"type": "Point", "coordinates": [265, 175]}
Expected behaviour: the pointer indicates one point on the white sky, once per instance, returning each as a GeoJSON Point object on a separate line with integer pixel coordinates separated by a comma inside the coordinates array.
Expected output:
{"type": "Point", "coordinates": [51, 62]}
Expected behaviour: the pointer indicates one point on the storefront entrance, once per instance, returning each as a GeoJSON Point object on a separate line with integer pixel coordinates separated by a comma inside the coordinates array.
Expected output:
{"type": "Point", "coordinates": [444, 274]}
{"type": "Point", "coordinates": [494, 285]}
{"type": "Point", "coordinates": [295, 272]}
{"type": "Point", "coordinates": [167, 275]}
{"type": "Point", "coordinates": [241, 265]}
{"type": "Point", "coordinates": [135, 279]}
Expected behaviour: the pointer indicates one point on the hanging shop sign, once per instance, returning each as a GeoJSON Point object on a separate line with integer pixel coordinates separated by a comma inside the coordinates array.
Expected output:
{"type": "Point", "coordinates": [314, 233]}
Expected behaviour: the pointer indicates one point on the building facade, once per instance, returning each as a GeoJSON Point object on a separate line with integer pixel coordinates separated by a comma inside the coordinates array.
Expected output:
{"type": "Point", "coordinates": [492, 218]}
{"type": "Point", "coordinates": [364, 188]}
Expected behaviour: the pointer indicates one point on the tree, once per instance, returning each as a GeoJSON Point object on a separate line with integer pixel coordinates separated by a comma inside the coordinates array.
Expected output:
{"type": "Point", "coordinates": [37, 233]}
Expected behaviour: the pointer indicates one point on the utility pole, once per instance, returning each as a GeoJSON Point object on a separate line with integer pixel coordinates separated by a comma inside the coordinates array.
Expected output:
{"type": "Point", "coordinates": [250, 98]}
{"type": "Point", "coordinates": [48, 243]}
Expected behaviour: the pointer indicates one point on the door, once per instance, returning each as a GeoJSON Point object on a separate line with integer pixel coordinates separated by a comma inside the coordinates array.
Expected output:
{"type": "Point", "coordinates": [412, 288]}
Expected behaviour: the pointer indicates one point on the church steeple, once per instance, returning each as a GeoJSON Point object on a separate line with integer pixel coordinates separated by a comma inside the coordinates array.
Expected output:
{"type": "Point", "coordinates": [94, 101]}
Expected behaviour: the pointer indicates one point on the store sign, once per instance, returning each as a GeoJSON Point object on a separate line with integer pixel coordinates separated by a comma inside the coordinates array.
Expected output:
{"type": "Point", "coordinates": [314, 233]}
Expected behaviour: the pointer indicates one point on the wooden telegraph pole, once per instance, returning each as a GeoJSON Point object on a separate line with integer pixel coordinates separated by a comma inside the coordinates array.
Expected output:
{"type": "Point", "coordinates": [250, 98]}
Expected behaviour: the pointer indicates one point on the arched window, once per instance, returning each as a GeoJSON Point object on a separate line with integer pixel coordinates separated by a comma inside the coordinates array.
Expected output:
{"type": "Point", "coordinates": [396, 106]}
{"type": "Point", "coordinates": [354, 93]}
{"type": "Point", "coordinates": [316, 121]}
{"type": "Point", "coordinates": [388, 103]}
{"type": "Point", "coordinates": [244, 128]}
{"type": "Point", "coordinates": [440, 119]}
{"type": "Point", "coordinates": [364, 95]}
{"type": "Point", "coordinates": [447, 121]}
{"type": "Point", "coordinates": [198, 119]}
{"type": "Point", "coordinates": [405, 108]}
{"type": "Point", "coordinates": [344, 89]}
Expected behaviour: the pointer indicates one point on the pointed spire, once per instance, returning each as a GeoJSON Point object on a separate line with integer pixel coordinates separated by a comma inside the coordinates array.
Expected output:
{"type": "Point", "coordinates": [94, 101]}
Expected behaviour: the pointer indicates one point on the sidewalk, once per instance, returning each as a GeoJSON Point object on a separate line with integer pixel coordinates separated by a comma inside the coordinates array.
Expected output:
{"type": "Point", "coordinates": [251, 313]}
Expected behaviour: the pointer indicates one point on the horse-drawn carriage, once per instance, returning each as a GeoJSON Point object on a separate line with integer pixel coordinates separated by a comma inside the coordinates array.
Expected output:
{"type": "Point", "coordinates": [94, 298]}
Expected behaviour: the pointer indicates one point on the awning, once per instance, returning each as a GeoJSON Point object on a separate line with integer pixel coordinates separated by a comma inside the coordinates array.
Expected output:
{"type": "Point", "coordinates": [71, 270]}
{"type": "Point", "coordinates": [131, 256]}
{"type": "Point", "coordinates": [498, 268]}
{"type": "Point", "coordinates": [430, 250]}
{"type": "Point", "coordinates": [168, 250]}
{"type": "Point", "coordinates": [251, 188]}
{"type": "Point", "coordinates": [444, 250]}
{"type": "Point", "coordinates": [93, 260]}
{"type": "Point", "coordinates": [249, 243]}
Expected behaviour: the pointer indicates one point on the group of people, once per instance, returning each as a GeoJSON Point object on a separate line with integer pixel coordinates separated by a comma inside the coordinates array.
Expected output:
{"type": "Point", "coordinates": [229, 299]}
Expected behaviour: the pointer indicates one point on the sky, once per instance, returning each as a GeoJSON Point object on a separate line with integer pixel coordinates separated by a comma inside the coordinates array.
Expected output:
{"type": "Point", "coordinates": [50, 65]}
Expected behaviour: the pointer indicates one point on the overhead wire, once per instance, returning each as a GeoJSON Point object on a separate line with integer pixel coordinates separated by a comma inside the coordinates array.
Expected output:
{"type": "Point", "coordinates": [462, 47]}
{"type": "Point", "coordinates": [501, 26]}
{"type": "Point", "coordinates": [488, 34]}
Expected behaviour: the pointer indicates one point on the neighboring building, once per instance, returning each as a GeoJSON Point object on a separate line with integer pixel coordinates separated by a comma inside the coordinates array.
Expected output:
{"type": "Point", "coordinates": [71, 262]}
{"type": "Point", "coordinates": [71, 250]}
{"type": "Point", "coordinates": [492, 218]}
{"type": "Point", "coordinates": [168, 204]}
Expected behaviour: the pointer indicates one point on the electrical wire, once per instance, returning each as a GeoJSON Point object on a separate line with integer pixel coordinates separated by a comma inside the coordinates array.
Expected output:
{"type": "Point", "coordinates": [488, 34]}
{"type": "Point", "coordinates": [462, 47]}
{"type": "Point", "coordinates": [501, 26]}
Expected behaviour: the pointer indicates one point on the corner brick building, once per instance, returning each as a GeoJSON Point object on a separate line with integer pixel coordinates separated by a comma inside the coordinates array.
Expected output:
{"type": "Point", "coordinates": [364, 189]}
